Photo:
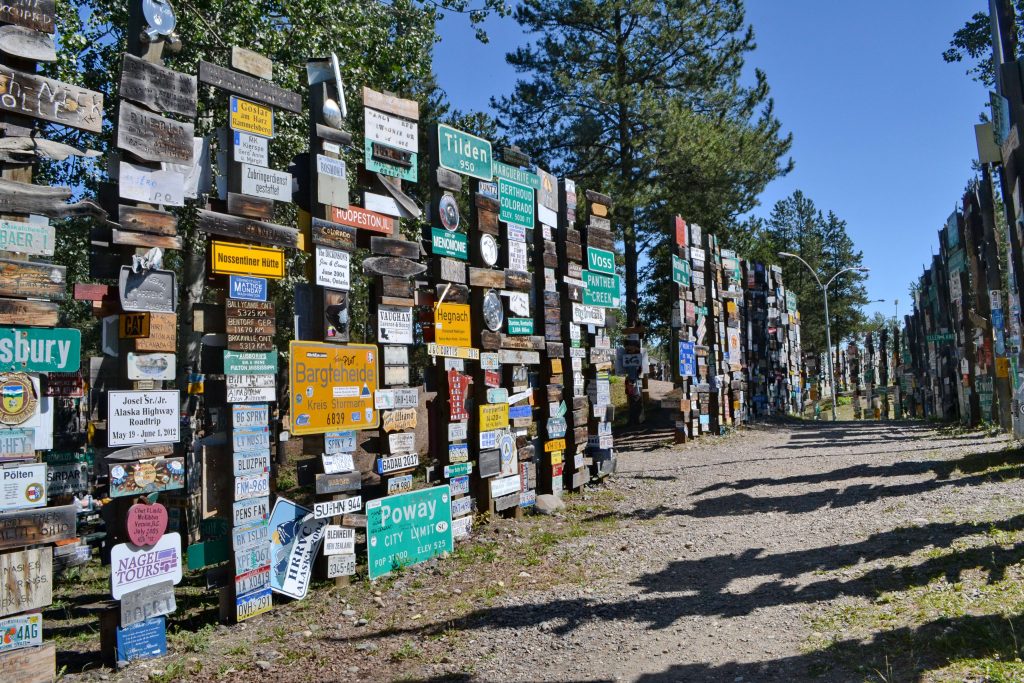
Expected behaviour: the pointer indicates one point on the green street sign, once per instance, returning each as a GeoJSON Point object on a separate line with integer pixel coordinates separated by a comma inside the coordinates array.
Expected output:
{"type": "Point", "coordinates": [464, 153]}
{"type": "Point", "coordinates": [448, 243]}
{"type": "Point", "coordinates": [407, 528]}
{"type": "Point", "coordinates": [250, 362]}
{"type": "Point", "coordinates": [680, 271]}
{"type": "Point", "coordinates": [791, 302]}
{"type": "Point", "coordinates": [38, 349]}
{"type": "Point", "coordinates": [376, 165]}
{"type": "Point", "coordinates": [520, 325]}
{"type": "Point", "coordinates": [602, 290]}
{"type": "Point", "coordinates": [942, 337]}
{"type": "Point", "coordinates": [516, 175]}
{"type": "Point", "coordinates": [516, 203]}
{"type": "Point", "coordinates": [600, 260]}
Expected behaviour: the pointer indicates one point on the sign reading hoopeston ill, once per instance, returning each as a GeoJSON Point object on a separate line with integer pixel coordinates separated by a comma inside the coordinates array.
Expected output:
{"type": "Point", "coordinates": [32, 349]}
{"type": "Point", "coordinates": [408, 528]}
{"type": "Point", "coordinates": [464, 153]}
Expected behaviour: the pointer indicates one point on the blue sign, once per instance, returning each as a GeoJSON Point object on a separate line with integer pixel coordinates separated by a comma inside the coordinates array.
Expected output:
{"type": "Point", "coordinates": [247, 288]}
{"type": "Point", "coordinates": [144, 640]}
{"type": "Point", "coordinates": [520, 411]}
{"type": "Point", "coordinates": [687, 360]}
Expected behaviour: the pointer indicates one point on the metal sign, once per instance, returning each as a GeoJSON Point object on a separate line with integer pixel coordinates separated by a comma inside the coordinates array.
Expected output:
{"type": "Point", "coordinates": [250, 117]}
{"type": "Point", "coordinates": [251, 149]}
{"type": "Point", "coordinates": [34, 349]}
{"type": "Point", "coordinates": [394, 325]}
{"type": "Point", "coordinates": [445, 243]}
{"type": "Point", "coordinates": [250, 362]}
{"type": "Point", "coordinates": [408, 528]}
{"type": "Point", "coordinates": [258, 181]}
{"type": "Point", "coordinates": [515, 203]}
{"type": "Point", "coordinates": [493, 416]}
{"type": "Point", "coordinates": [332, 387]}
{"type": "Point", "coordinates": [464, 153]}
{"type": "Point", "coordinates": [601, 290]}
{"type": "Point", "coordinates": [452, 324]}
{"type": "Point", "coordinates": [681, 273]}
{"type": "Point", "coordinates": [132, 567]}
{"type": "Point", "coordinates": [237, 259]}
{"type": "Point", "coordinates": [24, 630]}
{"type": "Point", "coordinates": [22, 486]}
{"type": "Point", "coordinates": [295, 537]}
{"type": "Point", "coordinates": [600, 260]}
{"type": "Point", "coordinates": [27, 238]}
{"type": "Point", "coordinates": [148, 290]}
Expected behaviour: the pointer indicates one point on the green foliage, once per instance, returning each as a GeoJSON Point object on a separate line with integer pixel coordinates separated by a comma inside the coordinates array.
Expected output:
{"type": "Point", "coordinates": [972, 43]}
{"type": "Point", "coordinates": [642, 100]}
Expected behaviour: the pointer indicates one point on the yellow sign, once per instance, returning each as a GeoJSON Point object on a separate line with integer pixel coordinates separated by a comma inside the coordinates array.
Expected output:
{"type": "Point", "coordinates": [451, 325]}
{"type": "Point", "coordinates": [554, 445]}
{"type": "Point", "coordinates": [493, 416]}
{"type": "Point", "coordinates": [241, 259]}
{"type": "Point", "coordinates": [556, 366]}
{"type": "Point", "coordinates": [332, 387]}
{"type": "Point", "coordinates": [557, 458]}
{"type": "Point", "coordinates": [134, 325]}
{"type": "Point", "coordinates": [1002, 367]}
{"type": "Point", "coordinates": [250, 117]}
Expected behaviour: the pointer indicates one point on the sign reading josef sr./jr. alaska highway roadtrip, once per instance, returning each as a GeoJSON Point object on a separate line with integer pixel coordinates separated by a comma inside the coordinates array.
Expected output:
{"type": "Point", "coordinates": [332, 387]}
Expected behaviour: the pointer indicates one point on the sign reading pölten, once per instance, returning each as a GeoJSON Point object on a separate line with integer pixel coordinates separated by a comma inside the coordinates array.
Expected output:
{"type": "Point", "coordinates": [451, 325]}
{"type": "Point", "coordinates": [332, 387]}
{"type": "Point", "coordinates": [237, 259]}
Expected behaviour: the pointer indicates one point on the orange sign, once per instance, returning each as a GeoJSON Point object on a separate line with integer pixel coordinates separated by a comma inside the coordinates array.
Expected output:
{"type": "Point", "coordinates": [451, 325]}
{"type": "Point", "coordinates": [332, 387]}
{"type": "Point", "coordinates": [361, 218]}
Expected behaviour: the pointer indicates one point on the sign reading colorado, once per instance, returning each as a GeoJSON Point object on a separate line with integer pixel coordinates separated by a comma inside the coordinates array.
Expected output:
{"type": "Point", "coordinates": [332, 387]}
{"type": "Point", "coordinates": [408, 528]}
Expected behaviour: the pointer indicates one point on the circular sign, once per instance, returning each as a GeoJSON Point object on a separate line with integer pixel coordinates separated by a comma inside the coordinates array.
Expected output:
{"type": "Point", "coordinates": [489, 249]}
{"type": "Point", "coordinates": [494, 313]}
{"type": "Point", "coordinates": [146, 523]}
{"type": "Point", "coordinates": [159, 15]}
{"type": "Point", "coordinates": [17, 398]}
{"type": "Point", "coordinates": [449, 211]}
{"type": "Point", "coordinates": [34, 493]}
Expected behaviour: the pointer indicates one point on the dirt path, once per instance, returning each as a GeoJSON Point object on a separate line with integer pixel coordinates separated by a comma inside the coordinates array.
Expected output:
{"type": "Point", "coordinates": [705, 563]}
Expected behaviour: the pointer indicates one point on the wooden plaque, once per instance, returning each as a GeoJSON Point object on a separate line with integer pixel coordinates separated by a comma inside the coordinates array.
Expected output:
{"type": "Point", "coordinates": [38, 280]}
{"type": "Point", "coordinates": [157, 87]}
{"type": "Point", "coordinates": [249, 87]}
{"type": "Point", "coordinates": [50, 100]}
{"type": "Point", "coordinates": [246, 229]}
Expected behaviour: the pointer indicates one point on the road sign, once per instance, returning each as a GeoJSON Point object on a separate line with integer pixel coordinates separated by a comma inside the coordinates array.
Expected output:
{"type": "Point", "coordinates": [602, 290]}
{"type": "Point", "coordinates": [494, 416]}
{"type": "Point", "coordinates": [332, 387]}
{"type": "Point", "coordinates": [250, 117]}
{"type": "Point", "coordinates": [451, 325]}
{"type": "Point", "coordinates": [515, 203]}
{"type": "Point", "coordinates": [464, 153]}
{"type": "Point", "coordinates": [408, 528]}
{"type": "Point", "coordinates": [238, 259]}
{"type": "Point", "coordinates": [680, 271]}
{"type": "Point", "coordinates": [600, 260]}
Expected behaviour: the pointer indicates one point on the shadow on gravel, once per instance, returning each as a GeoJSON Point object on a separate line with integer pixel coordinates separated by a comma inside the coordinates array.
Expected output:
{"type": "Point", "coordinates": [902, 654]}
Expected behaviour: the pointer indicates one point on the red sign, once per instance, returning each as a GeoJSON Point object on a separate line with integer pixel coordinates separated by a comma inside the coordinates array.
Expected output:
{"type": "Point", "coordinates": [146, 523]}
{"type": "Point", "coordinates": [64, 385]}
{"type": "Point", "coordinates": [458, 388]}
{"type": "Point", "coordinates": [492, 378]}
{"type": "Point", "coordinates": [361, 218]}
{"type": "Point", "coordinates": [556, 470]}
{"type": "Point", "coordinates": [680, 231]}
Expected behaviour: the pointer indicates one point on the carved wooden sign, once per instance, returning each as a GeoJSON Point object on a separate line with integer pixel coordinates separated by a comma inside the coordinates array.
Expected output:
{"type": "Point", "coordinates": [157, 87]}
{"type": "Point", "coordinates": [36, 527]}
{"type": "Point", "coordinates": [393, 266]}
{"type": "Point", "coordinates": [34, 14]}
{"type": "Point", "coordinates": [26, 580]}
{"type": "Point", "coordinates": [246, 229]}
{"type": "Point", "coordinates": [247, 86]}
{"type": "Point", "coordinates": [50, 100]}
{"type": "Point", "coordinates": [250, 325]}
{"type": "Point", "coordinates": [153, 137]}
{"type": "Point", "coordinates": [37, 280]}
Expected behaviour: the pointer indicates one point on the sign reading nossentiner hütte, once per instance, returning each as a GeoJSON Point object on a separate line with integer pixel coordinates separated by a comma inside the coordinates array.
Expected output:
{"type": "Point", "coordinates": [34, 349]}
{"type": "Point", "coordinates": [143, 417]}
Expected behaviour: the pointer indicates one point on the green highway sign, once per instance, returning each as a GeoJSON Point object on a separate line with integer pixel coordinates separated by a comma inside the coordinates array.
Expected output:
{"type": "Point", "coordinates": [520, 325]}
{"type": "Point", "coordinates": [942, 337]}
{"type": "Point", "coordinates": [448, 243]}
{"type": "Point", "coordinates": [516, 203]}
{"type": "Point", "coordinates": [464, 153]}
{"type": "Point", "coordinates": [407, 528]}
{"type": "Point", "coordinates": [516, 175]}
{"type": "Point", "coordinates": [37, 349]}
{"type": "Point", "coordinates": [600, 260]}
{"type": "Point", "coordinates": [602, 290]}
{"type": "Point", "coordinates": [680, 271]}
{"type": "Point", "coordinates": [250, 362]}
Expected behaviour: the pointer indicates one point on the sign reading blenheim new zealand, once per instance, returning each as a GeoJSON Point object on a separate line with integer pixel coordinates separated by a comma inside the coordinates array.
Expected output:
{"type": "Point", "coordinates": [332, 387]}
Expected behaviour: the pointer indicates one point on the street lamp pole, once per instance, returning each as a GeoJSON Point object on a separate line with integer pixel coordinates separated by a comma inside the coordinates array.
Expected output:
{"type": "Point", "coordinates": [828, 327]}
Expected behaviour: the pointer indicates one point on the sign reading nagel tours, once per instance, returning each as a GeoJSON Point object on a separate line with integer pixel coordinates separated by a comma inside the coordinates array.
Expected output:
{"type": "Point", "coordinates": [143, 417]}
{"type": "Point", "coordinates": [133, 567]}
{"type": "Point", "coordinates": [332, 387]}
{"type": "Point", "coordinates": [238, 259]}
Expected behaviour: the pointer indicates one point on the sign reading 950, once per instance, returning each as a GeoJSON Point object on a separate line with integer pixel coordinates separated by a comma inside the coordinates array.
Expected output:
{"type": "Point", "coordinates": [332, 387]}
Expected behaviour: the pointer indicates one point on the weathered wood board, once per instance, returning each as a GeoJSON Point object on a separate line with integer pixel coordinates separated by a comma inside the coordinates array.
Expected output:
{"type": "Point", "coordinates": [34, 280]}
{"type": "Point", "coordinates": [152, 137]}
{"type": "Point", "coordinates": [157, 87]}
{"type": "Point", "coordinates": [247, 86]}
{"type": "Point", "coordinates": [50, 100]}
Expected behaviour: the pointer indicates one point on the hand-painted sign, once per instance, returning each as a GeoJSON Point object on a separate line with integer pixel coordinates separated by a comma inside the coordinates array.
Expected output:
{"type": "Point", "coordinates": [146, 524]}
{"type": "Point", "coordinates": [133, 567]}
{"type": "Point", "coordinates": [399, 420]}
{"type": "Point", "coordinates": [408, 528]}
{"type": "Point", "coordinates": [464, 153]}
{"type": "Point", "coordinates": [332, 387]}
{"type": "Point", "coordinates": [250, 117]}
{"type": "Point", "coordinates": [144, 184]}
{"type": "Point", "coordinates": [239, 259]}
{"type": "Point", "coordinates": [295, 537]}
{"type": "Point", "coordinates": [37, 526]}
{"type": "Point", "coordinates": [143, 417]}
{"type": "Point", "coordinates": [26, 580]}
{"type": "Point", "coordinates": [50, 100]}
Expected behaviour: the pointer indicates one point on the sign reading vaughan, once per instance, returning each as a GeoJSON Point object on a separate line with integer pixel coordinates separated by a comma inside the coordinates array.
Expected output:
{"type": "Point", "coordinates": [408, 528]}
{"type": "Point", "coordinates": [332, 387]}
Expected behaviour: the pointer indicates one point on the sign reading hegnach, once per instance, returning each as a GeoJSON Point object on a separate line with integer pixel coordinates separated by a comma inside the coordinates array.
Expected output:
{"type": "Point", "coordinates": [247, 288]}
{"type": "Point", "coordinates": [451, 324]}
{"type": "Point", "coordinates": [36, 349]}
{"type": "Point", "coordinates": [408, 528]}
{"type": "Point", "coordinates": [600, 260]}
{"type": "Point", "coordinates": [681, 271]}
{"type": "Point", "coordinates": [515, 203]}
{"type": "Point", "coordinates": [464, 153]}
{"type": "Point", "coordinates": [332, 387]}
{"type": "Point", "coordinates": [602, 290]}
{"type": "Point", "coordinates": [447, 243]}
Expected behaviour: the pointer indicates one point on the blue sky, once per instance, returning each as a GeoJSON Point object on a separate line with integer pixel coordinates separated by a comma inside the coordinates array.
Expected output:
{"type": "Point", "coordinates": [883, 128]}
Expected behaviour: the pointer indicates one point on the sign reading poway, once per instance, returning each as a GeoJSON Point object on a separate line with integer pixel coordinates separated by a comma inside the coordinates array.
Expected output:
{"type": "Point", "coordinates": [332, 387]}
{"type": "Point", "coordinates": [408, 528]}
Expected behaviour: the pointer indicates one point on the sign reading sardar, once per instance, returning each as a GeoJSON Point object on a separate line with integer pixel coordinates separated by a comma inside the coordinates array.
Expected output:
{"type": "Point", "coordinates": [332, 387]}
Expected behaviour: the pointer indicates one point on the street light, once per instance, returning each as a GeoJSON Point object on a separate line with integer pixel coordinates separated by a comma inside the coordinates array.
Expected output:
{"type": "Point", "coordinates": [828, 329]}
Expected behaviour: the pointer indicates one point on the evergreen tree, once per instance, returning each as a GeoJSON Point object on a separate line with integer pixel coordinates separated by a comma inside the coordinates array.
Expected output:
{"type": "Point", "coordinates": [642, 100]}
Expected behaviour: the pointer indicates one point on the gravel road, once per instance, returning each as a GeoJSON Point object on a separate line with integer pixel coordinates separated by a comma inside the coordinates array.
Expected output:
{"type": "Point", "coordinates": [704, 562]}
